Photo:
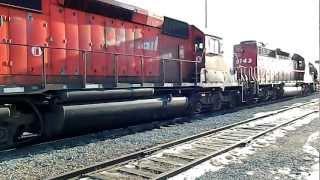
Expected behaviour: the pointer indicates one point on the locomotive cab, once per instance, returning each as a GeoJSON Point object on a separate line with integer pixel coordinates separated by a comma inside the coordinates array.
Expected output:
{"type": "Point", "coordinates": [216, 70]}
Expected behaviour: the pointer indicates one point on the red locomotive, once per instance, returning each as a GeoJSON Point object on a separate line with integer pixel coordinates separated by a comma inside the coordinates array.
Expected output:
{"type": "Point", "coordinates": [74, 66]}
{"type": "Point", "coordinates": [269, 73]}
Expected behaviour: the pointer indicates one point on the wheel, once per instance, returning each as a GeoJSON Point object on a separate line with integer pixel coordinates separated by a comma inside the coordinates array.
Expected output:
{"type": "Point", "coordinates": [22, 126]}
{"type": "Point", "coordinates": [195, 106]}
{"type": "Point", "coordinates": [233, 102]}
{"type": "Point", "coordinates": [7, 137]}
{"type": "Point", "coordinates": [217, 102]}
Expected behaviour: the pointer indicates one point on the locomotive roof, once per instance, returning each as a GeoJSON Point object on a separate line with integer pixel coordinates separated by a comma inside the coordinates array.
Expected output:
{"type": "Point", "coordinates": [216, 37]}
{"type": "Point", "coordinates": [130, 7]}
{"type": "Point", "coordinates": [278, 51]}
{"type": "Point", "coordinates": [123, 5]}
{"type": "Point", "coordinates": [109, 8]}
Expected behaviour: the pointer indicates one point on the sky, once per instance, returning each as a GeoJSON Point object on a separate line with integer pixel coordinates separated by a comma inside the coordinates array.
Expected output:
{"type": "Point", "coordinates": [292, 25]}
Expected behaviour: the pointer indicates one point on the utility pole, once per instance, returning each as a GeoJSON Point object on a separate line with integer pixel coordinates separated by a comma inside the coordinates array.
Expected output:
{"type": "Point", "coordinates": [206, 13]}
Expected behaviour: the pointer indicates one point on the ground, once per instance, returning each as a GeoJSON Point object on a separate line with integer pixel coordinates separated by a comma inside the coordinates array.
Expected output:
{"type": "Point", "coordinates": [289, 153]}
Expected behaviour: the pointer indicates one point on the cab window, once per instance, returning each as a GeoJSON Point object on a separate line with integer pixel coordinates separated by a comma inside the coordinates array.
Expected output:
{"type": "Point", "coordinates": [213, 46]}
{"type": "Point", "coordinates": [198, 45]}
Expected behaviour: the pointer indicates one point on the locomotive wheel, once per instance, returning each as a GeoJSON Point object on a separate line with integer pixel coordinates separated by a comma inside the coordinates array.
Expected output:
{"type": "Point", "coordinates": [21, 127]}
{"type": "Point", "coordinates": [217, 102]}
{"type": "Point", "coordinates": [7, 136]}
{"type": "Point", "coordinates": [217, 105]}
{"type": "Point", "coordinates": [195, 106]}
{"type": "Point", "coordinates": [274, 94]}
{"type": "Point", "coordinates": [233, 102]}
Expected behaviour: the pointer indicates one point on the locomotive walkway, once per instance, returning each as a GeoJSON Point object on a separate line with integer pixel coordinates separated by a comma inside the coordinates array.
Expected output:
{"type": "Point", "coordinates": [168, 160]}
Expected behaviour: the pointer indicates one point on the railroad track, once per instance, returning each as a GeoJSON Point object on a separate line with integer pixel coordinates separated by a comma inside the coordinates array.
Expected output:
{"type": "Point", "coordinates": [167, 160]}
{"type": "Point", "coordinates": [160, 123]}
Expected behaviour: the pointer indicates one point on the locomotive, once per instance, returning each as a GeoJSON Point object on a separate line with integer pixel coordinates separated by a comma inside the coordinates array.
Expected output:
{"type": "Point", "coordinates": [267, 73]}
{"type": "Point", "coordinates": [75, 66]}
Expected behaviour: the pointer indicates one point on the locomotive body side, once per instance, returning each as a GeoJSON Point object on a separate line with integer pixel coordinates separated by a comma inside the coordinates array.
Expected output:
{"type": "Point", "coordinates": [269, 73]}
{"type": "Point", "coordinates": [255, 62]}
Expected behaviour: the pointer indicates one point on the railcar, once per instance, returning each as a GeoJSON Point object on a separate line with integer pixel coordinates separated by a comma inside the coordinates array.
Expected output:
{"type": "Point", "coordinates": [77, 66]}
{"type": "Point", "coordinates": [270, 73]}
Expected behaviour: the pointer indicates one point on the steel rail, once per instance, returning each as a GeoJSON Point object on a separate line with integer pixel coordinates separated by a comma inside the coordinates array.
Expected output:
{"type": "Point", "coordinates": [149, 151]}
{"type": "Point", "coordinates": [192, 164]}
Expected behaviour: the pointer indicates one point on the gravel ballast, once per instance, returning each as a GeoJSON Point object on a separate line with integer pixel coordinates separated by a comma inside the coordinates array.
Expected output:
{"type": "Point", "coordinates": [49, 160]}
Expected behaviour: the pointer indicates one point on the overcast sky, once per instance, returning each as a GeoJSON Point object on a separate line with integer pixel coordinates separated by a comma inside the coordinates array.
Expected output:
{"type": "Point", "coordinates": [292, 25]}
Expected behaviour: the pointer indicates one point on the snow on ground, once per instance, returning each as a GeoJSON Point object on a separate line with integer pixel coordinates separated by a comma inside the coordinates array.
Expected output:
{"type": "Point", "coordinates": [308, 148]}
{"type": "Point", "coordinates": [237, 154]}
{"type": "Point", "coordinates": [315, 175]}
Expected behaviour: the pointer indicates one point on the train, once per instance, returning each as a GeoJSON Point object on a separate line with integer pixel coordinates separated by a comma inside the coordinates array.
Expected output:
{"type": "Point", "coordinates": [77, 66]}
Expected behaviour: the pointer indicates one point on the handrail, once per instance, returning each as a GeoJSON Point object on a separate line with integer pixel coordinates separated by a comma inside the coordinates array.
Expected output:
{"type": "Point", "coordinates": [83, 55]}
{"type": "Point", "coordinates": [104, 52]}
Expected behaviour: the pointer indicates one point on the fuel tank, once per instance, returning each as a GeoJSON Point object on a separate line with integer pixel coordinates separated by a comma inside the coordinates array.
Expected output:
{"type": "Point", "coordinates": [96, 95]}
{"type": "Point", "coordinates": [292, 91]}
{"type": "Point", "coordinates": [75, 119]}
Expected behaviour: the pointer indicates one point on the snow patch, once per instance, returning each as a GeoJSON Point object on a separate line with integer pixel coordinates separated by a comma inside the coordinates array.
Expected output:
{"type": "Point", "coordinates": [263, 114]}
{"type": "Point", "coordinates": [197, 171]}
{"type": "Point", "coordinates": [306, 120]}
{"type": "Point", "coordinates": [285, 171]}
{"type": "Point", "coordinates": [250, 173]}
{"type": "Point", "coordinates": [174, 150]}
{"type": "Point", "coordinates": [315, 175]}
{"type": "Point", "coordinates": [308, 147]}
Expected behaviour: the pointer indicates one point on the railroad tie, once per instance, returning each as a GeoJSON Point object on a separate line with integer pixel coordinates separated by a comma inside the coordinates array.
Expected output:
{"type": "Point", "coordinates": [137, 172]}
{"type": "Point", "coordinates": [153, 167]}
{"type": "Point", "coordinates": [205, 147]}
{"type": "Point", "coordinates": [185, 157]}
{"type": "Point", "coordinates": [253, 128]}
{"type": "Point", "coordinates": [197, 153]}
{"type": "Point", "coordinates": [229, 138]}
{"type": "Point", "coordinates": [166, 161]}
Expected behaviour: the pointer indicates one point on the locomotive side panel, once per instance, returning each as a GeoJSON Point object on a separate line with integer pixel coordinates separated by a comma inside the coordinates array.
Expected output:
{"type": "Point", "coordinates": [169, 50]}
{"type": "Point", "coordinates": [122, 63]}
{"type": "Point", "coordinates": [129, 48]}
{"type": "Point", "coordinates": [84, 32]}
{"type": "Point", "coordinates": [73, 56]}
{"type": "Point", "coordinates": [245, 61]}
{"type": "Point", "coordinates": [151, 51]}
{"type": "Point", "coordinates": [57, 61]}
{"type": "Point", "coordinates": [37, 28]}
{"type": "Point", "coordinates": [18, 35]}
{"type": "Point", "coordinates": [135, 67]}
{"type": "Point", "coordinates": [4, 48]}
{"type": "Point", "coordinates": [97, 62]}
{"type": "Point", "coordinates": [110, 37]}
{"type": "Point", "coordinates": [178, 53]}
